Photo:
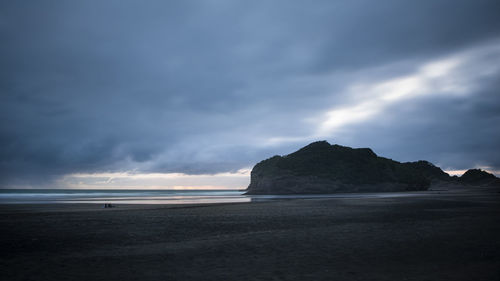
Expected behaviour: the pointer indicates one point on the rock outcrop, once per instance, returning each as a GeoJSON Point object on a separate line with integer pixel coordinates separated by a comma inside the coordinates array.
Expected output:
{"type": "Point", "coordinates": [324, 168]}
{"type": "Point", "coordinates": [479, 177]}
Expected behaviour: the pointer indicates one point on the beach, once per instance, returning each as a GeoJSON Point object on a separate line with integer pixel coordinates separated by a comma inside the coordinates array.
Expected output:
{"type": "Point", "coordinates": [436, 236]}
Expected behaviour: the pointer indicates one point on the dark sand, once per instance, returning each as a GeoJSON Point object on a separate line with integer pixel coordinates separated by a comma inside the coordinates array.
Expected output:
{"type": "Point", "coordinates": [446, 236]}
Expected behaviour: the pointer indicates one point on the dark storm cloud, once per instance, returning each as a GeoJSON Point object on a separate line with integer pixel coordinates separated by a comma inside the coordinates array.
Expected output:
{"type": "Point", "coordinates": [365, 33]}
{"type": "Point", "coordinates": [201, 86]}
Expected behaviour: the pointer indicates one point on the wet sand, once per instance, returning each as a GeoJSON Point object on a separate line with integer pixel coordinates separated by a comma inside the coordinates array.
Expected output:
{"type": "Point", "coordinates": [439, 236]}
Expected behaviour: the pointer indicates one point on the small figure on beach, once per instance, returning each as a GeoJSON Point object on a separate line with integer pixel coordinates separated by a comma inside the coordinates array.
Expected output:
{"type": "Point", "coordinates": [108, 205]}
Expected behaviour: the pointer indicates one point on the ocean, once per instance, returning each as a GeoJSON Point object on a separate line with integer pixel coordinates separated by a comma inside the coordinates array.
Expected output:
{"type": "Point", "coordinates": [136, 196]}
{"type": "Point", "coordinates": [123, 196]}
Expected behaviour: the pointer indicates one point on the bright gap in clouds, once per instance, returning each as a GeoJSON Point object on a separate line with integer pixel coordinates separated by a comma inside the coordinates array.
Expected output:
{"type": "Point", "coordinates": [445, 76]}
{"type": "Point", "coordinates": [229, 180]}
{"type": "Point", "coordinates": [453, 75]}
{"type": "Point", "coordinates": [461, 172]}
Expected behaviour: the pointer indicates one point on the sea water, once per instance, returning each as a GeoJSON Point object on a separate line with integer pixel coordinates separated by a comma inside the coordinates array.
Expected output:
{"type": "Point", "coordinates": [128, 196]}
{"type": "Point", "coordinates": [123, 196]}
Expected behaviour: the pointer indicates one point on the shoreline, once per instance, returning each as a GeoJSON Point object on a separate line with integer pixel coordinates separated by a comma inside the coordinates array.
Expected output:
{"type": "Point", "coordinates": [230, 199]}
{"type": "Point", "coordinates": [63, 206]}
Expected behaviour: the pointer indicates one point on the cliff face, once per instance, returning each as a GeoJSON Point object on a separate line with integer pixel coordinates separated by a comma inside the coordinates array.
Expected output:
{"type": "Point", "coordinates": [324, 168]}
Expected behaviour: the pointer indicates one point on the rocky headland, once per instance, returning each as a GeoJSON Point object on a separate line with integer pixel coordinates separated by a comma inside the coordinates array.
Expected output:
{"type": "Point", "coordinates": [321, 168]}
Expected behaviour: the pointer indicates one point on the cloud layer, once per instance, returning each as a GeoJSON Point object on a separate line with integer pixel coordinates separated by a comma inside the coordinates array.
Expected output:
{"type": "Point", "coordinates": [207, 87]}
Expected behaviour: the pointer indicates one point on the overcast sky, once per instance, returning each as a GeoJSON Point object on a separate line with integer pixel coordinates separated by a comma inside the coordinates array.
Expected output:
{"type": "Point", "coordinates": [166, 93]}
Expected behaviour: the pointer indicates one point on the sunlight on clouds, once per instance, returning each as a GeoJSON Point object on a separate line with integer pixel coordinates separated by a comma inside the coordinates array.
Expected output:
{"type": "Point", "coordinates": [280, 140]}
{"type": "Point", "coordinates": [441, 67]}
{"type": "Point", "coordinates": [484, 168]}
{"type": "Point", "coordinates": [344, 116]}
{"type": "Point", "coordinates": [229, 180]}
{"type": "Point", "coordinates": [432, 78]}
{"type": "Point", "coordinates": [448, 76]}
{"type": "Point", "coordinates": [398, 88]}
{"type": "Point", "coordinates": [455, 172]}
{"type": "Point", "coordinates": [241, 172]}
{"type": "Point", "coordinates": [455, 75]}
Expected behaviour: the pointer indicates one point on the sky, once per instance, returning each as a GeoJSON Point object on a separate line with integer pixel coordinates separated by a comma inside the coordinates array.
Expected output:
{"type": "Point", "coordinates": [192, 94]}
